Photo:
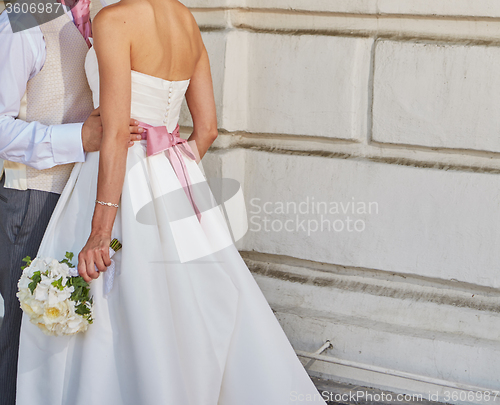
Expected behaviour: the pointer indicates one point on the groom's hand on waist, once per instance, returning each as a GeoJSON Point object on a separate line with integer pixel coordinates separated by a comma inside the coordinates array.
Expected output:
{"type": "Point", "coordinates": [92, 132]}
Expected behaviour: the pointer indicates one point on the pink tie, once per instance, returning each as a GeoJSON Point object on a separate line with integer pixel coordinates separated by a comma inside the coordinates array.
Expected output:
{"type": "Point", "coordinates": [81, 17]}
{"type": "Point", "coordinates": [160, 140]}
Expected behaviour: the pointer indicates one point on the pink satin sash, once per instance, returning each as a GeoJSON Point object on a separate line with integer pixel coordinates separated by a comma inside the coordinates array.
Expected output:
{"type": "Point", "coordinates": [160, 140]}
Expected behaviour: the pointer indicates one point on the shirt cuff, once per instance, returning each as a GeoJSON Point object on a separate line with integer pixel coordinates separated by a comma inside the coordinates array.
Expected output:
{"type": "Point", "coordinates": [67, 146]}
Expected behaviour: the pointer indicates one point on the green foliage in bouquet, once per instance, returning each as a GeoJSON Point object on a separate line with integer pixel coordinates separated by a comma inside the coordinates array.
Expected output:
{"type": "Point", "coordinates": [35, 279]}
{"type": "Point", "coordinates": [81, 296]}
{"type": "Point", "coordinates": [27, 260]}
{"type": "Point", "coordinates": [67, 259]}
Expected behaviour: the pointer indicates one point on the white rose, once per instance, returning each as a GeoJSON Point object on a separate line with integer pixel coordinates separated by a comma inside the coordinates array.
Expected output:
{"type": "Point", "coordinates": [37, 307]}
{"type": "Point", "coordinates": [55, 314]}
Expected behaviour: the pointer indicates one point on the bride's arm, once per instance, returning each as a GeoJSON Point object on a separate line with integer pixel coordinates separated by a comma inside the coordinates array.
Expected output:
{"type": "Point", "coordinates": [112, 44]}
{"type": "Point", "coordinates": [201, 103]}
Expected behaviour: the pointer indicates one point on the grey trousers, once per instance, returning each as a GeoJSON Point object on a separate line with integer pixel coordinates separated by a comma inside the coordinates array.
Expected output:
{"type": "Point", "coordinates": [24, 216]}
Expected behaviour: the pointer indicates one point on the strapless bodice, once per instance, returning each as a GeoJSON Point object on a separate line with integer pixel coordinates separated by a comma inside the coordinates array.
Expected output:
{"type": "Point", "coordinates": [154, 101]}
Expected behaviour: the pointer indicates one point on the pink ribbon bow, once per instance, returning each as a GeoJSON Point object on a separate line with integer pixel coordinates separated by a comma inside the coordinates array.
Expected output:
{"type": "Point", "coordinates": [160, 140]}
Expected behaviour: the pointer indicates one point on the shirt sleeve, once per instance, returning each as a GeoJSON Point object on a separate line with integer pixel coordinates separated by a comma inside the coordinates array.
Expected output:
{"type": "Point", "coordinates": [22, 56]}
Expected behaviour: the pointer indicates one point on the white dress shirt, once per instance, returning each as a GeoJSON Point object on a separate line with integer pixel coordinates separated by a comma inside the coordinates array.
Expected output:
{"type": "Point", "coordinates": [22, 56]}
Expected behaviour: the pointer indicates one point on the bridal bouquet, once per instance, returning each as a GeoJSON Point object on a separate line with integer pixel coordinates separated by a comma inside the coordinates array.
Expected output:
{"type": "Point", "coordinates": [55, 297]}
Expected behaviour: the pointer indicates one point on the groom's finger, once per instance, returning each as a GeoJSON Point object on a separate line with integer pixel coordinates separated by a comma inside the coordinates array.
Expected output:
{"type": "Point", "coordinates": [136, 131]}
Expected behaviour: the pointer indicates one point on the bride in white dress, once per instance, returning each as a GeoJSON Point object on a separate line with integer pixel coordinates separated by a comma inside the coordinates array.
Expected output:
{"type": "Point", "coordinates": [185, 322]}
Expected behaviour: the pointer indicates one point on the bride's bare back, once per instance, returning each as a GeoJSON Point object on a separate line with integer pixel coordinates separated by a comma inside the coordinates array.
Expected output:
{"type": "Point", "coordinates": [166, 42]}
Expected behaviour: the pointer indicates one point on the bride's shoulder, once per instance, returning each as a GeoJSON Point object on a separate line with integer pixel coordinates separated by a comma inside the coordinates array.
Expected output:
{"type": "Point", "coordinates": [118, 18]}
{"type": "Point", "coordinates": [124, 11]}
{"type": "Point", "coordinates": [112, 13]}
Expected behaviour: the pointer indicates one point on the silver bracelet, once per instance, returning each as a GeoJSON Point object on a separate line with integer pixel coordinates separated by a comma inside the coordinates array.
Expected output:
{"type": "Point", "coordinates": [107, 204]}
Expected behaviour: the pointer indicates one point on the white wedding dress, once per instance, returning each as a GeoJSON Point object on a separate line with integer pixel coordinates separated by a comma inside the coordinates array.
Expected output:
{"type": "Point", "coordinates": [181, 326]}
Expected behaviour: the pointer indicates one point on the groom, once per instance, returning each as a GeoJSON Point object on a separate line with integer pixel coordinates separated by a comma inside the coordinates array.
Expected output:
{"type": "Point", "coordinates": [47, 123]}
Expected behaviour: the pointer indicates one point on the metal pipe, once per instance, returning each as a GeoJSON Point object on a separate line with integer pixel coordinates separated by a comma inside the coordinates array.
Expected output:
{"type": "Point", "coordinates": [387, 371]}
{"type": "Point", "coordinates": [325, 346]}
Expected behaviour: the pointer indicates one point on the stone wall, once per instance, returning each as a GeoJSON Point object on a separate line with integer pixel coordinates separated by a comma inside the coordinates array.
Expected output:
{"type": "Point", "coordinates": [366, 136]}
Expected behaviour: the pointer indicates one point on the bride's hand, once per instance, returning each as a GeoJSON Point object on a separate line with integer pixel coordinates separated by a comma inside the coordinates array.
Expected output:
{"type": "Point", "coordinates": [95, 253]}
